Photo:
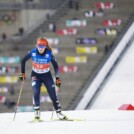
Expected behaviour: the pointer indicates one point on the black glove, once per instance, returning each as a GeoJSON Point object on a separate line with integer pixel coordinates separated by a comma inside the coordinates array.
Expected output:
{"type": "Point", "coordinates": [58, 82]}
{"type": "Point", "coordinates": [22, 76]}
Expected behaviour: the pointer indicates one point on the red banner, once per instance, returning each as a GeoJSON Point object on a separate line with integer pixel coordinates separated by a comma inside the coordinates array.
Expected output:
{"type": "Point", "coordinates": [67, 31]}
{"type": "Point", "coordinates": [112, 22]}
{"type": "Point", "coordinates": [104, 5]}
{"type": "Point", "coordinates": [64, 69]}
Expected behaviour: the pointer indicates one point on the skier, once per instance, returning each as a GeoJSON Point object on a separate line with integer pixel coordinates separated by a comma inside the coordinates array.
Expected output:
{"type": "Point", "coordinates": [41, 57]}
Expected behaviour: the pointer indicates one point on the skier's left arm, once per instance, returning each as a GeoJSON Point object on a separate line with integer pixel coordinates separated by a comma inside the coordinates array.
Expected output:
{"type": "Point", "coordinates": [56, 70]}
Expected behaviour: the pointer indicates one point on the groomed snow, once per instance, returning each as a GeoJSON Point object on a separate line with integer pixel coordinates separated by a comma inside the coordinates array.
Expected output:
{"type": "Point", "coordinates": [96, 122]}
{"type": "Point", "coordinates": [119, 87]}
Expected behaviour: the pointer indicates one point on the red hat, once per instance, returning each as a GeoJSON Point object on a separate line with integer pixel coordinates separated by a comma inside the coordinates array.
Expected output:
{"type": "Point", "coordinates": [42, 42]}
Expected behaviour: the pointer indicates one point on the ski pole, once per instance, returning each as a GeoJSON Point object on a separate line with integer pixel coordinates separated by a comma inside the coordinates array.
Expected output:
{"type": "Point", "coordinates": [52, 113]}
{"type": "Point", "coordinates": [53, 108]}
{"type": "Point", "coordinates": [17, 104]}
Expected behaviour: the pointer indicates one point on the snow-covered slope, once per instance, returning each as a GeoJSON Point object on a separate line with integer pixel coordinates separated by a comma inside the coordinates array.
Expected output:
{"type": "Point", "coordinates": [96, 122]}
{"type": "Point", "coordinates": [119, 88]}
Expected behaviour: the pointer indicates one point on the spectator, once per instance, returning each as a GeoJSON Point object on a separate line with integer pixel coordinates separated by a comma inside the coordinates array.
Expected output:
{"type": "Point", "coordinates": [106, 49]}
{"type": "Point", "coordinates": [70, 3]}
{"type": "Point", "coordinates": [47, 16]}
{"type": "Point", "coordinates": [77, 5]}
{"type": "Point", "coordinates": [4, 36]}
{"type": "Point", "coordinates": [21, 30]}
{"type": "Point", "coordinates": [100, 12]}
{"type": "Point", "coordinates": [52, 27]}
{"type": "Point", "coordinates": [12, 90]}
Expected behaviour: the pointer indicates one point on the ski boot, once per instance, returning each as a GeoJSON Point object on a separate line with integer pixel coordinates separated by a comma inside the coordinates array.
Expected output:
{"type": "Point", "coordinates": [37, 114]}
{"type": "Point", "coordinates": [61, 116]}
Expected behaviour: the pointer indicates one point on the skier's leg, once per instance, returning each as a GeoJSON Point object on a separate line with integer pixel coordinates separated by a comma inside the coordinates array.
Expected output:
{"type": "Point", "coordinates": [50, 86]}
{"type": "Point", "coordinates": [52, 93]}
{"type": "Point", "coordinates": [36, 84]}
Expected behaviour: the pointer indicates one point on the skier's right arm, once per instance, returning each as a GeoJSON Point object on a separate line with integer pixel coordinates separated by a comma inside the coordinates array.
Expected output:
{"type": "Point", "coordinates": [23, 63]}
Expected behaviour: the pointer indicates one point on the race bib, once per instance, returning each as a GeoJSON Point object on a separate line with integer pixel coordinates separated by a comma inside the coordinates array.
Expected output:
{"type": "Point", "coordinates": [40, 68]}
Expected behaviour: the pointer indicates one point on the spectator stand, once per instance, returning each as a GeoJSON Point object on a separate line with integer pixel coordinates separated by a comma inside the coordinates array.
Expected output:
{"type": "Point", "coordinates": [94, 13]}
{"type": "Point", "coordinates": [106, 31]}
{"type": "Point", "coordinates": [8, 79]}
{"type": "Point", "coordinates": [104, 5]}
{"type": "Point", "coordinates": [73, 82]}
{"type": "Point", "coordinates": [67, 31]}
{"type": "Point", "coordinates": [111, 22]}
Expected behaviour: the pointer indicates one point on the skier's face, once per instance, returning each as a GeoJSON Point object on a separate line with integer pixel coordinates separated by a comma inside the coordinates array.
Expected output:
{"type": "Point", "coordinates": [41, 49]}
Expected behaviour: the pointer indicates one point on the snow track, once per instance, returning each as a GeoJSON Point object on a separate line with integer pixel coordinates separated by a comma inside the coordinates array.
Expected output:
{"type": "Point", "coordinates": [97, 122]}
